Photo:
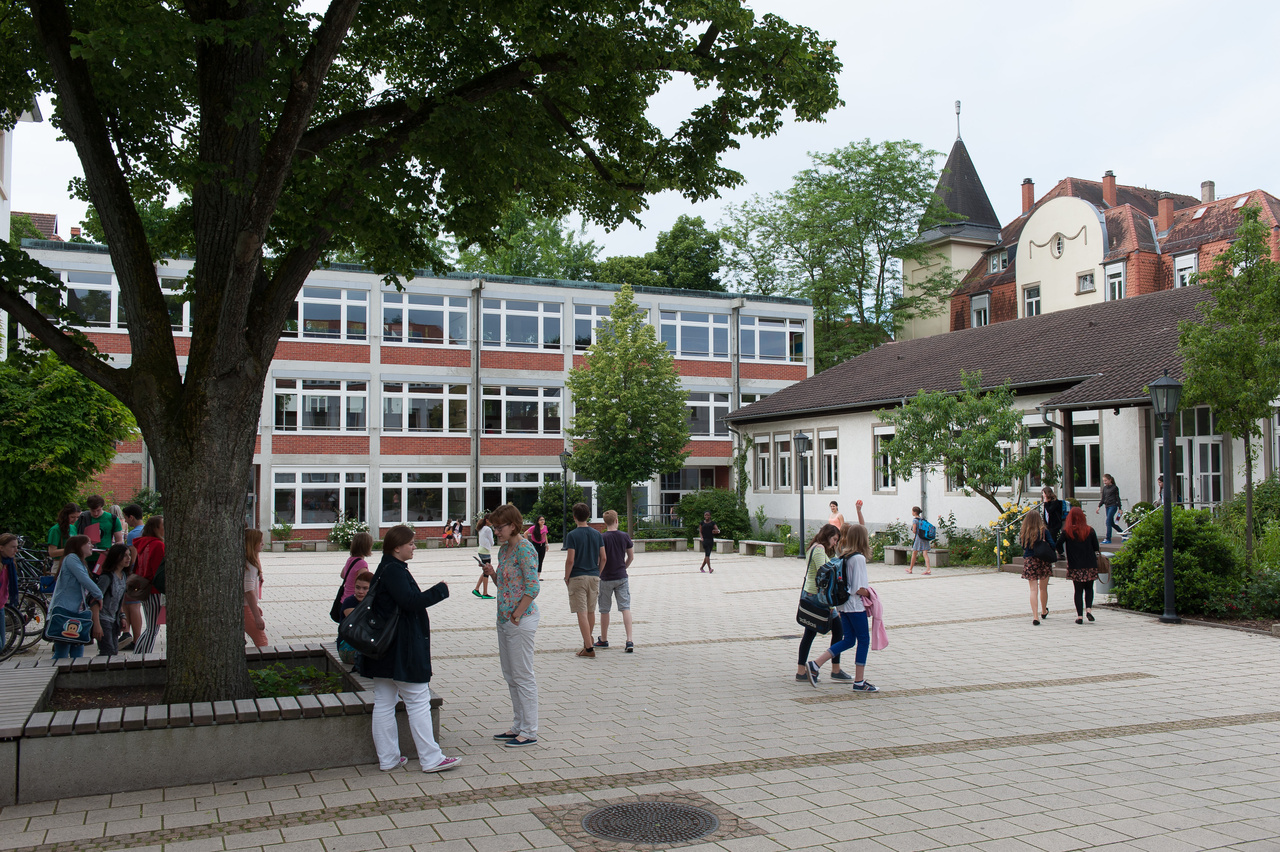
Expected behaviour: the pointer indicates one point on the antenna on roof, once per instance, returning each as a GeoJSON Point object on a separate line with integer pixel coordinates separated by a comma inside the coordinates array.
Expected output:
{"type": "Point", "coordinates": [957, 119]}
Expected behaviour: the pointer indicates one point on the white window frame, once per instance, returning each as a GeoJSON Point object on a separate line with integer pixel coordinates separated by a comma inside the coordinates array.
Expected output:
{"type": "Point", "coordinates": [353, 396]}
{"type": "Point", "coordinates": [397, 483]}
{"type": "Point", "coordinates": [1184, 267]}
{"type": "Point", "coordinates": [115, 319]}
{"type": "Point", "coordinates": [1031, 298]}
{"type": "Point", "coordinates": [755, 331]}
{"type": "Point", "coordinates": [748, 398]}
{"type": "Point", "coordinates": [549, 402]}
{"type": "Point", "coordinates": [348, 479]}
{"type": "Point", "coordinates": [715, 407]}
{"type": "Point", "coordinates": [980, 308]}
{"type": "Point", "coordinates": [1041, 436]}
{"type": "Point", "coordinates": [883, 478]}
{"type": "Point", "coordinates": [672, 326]}
{"type": "Point", "coordinates": [496, 320]}
{"type": "Point", "coordinates": [1115, 275]}
{"type": "Point", "coordinates": [523, 479]}
{"type": "Point", "coordinates": [588, 318]}
{"type": "Point", "coordinates": [1083, 278]}
{"type": "Point", "coordinates": [1090, 479]}
{"type": "Point", "coordinates": [782, 448]}
{"type": "Point", "coordinates": [173, 288]}
{"type": "Point", "coordinates": [764, 462]}
{"type": "Point", "coordinates": [453, 399]}
{"type": "Point", "coordinates": [349, 302]}
{"type": "Point", "coordinates": [452, 312]}
{"type": "Point", "coordinates": [993, 263]}
{"type": "Point", "coordinates": [829, 448]}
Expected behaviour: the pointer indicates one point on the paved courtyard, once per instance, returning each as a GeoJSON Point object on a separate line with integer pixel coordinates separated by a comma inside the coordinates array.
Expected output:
{"type": "Point", "coordinates": [988, 733]}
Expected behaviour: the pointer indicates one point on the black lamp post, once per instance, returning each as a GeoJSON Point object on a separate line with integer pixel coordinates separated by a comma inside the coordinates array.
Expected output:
{"type": "Point", "coordinates": [803, 445]}
{"type": "Point", "coordinates": [564, 498]}
{"type": "Point", "coordinates": [1165, 395]}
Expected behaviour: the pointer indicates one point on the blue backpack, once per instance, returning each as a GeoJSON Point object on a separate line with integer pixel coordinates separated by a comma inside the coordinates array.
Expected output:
{"type": "Point", "coordinates": [833, 587]}
{"type": "Point", "coordinates": [927, 531]}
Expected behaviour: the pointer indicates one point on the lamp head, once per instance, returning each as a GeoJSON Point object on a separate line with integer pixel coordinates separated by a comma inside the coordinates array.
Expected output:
{"type": "Point", "coordinates": [1166, 393]}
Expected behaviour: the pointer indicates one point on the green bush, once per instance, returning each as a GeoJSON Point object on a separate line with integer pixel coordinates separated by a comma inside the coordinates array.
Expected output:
{"type": "Point", "coordinates": [726, 510]}
{"type": "Point", "coordinates": [1266, 506]}
{"type": "Point", "coordinates": [278, 680]}
{"type": "Point", "coordinates": [345, 529]}
{"type": "Point", "coordinates": [148, 500]}
{"type": "Point", "coordinates": [280, 531]}
{"type": "Point", "coordinates": [551, 503]}
{"type": "Point", "coordinates": [1208, 570]}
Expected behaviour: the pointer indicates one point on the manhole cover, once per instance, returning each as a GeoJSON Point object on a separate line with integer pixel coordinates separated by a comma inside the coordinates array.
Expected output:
{"type": "Point", "coordinates": [650, 822]}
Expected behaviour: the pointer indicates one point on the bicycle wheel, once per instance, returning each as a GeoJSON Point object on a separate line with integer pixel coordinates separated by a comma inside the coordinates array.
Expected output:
{"type": "Point", "coordinates": [12, 632]}
{"type": "Point", "coordinates": [34, 611]}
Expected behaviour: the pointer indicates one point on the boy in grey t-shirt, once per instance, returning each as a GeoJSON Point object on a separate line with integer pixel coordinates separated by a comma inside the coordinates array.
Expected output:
{"type": "Point", "coordinates": [583, 560]}
{"type": "Point", "coordinates": [619, 553]}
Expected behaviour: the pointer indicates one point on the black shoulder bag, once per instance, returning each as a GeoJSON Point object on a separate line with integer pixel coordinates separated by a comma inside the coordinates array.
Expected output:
{"type": "Point", "coordinates": [367, 630]}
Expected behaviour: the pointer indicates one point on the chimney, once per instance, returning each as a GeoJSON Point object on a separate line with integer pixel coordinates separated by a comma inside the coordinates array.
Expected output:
{"type": "Point", "coordinates": [1109, 188]}
{"type": "Point", "coordinates": [1164, 213]}
{"type": "Point", "coordinates": [1028, 195]}
{"type": "Point", "coordinates": [75, 232]}
{"type": "Point", "coordinates": [1206, 191]}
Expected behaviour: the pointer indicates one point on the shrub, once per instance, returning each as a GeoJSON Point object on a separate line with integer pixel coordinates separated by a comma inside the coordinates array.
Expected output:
{"type": "Point", "coordinates": [1207, 568]}
{"type": "Point", "coordinates": [551, 503]}
{"type": "Point", "coordinates": [281, 531]}
{"type": "Point", "coordinates": [1266, 506]}
{"type": "Point", "coordinates": [148, 500]}
{"type": "Point", "coordinates": [726, 510]}
{"type": "Point", "coordinates": [345, 530]}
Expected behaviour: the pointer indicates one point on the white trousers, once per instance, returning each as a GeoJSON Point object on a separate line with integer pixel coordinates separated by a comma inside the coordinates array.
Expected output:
{"type": "Point", "coordinates": [515, 650]}
{"type": "Point", "coordinates": [386, 737]}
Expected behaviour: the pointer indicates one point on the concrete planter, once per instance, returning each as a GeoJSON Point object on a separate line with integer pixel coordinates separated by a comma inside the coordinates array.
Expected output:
{"type": "Point", "coordinates": [43, 754]}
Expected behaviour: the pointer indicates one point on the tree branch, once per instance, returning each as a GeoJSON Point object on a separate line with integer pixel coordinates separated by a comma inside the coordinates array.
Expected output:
{"type": "Point", "coordinates": [708, 39]}
{"type": "Point", "coordinates": [558, 116]}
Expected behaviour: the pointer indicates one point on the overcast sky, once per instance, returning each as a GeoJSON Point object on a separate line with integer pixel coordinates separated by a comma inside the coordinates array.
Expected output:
{"type": "Point", "coordinates": [1166, 94]}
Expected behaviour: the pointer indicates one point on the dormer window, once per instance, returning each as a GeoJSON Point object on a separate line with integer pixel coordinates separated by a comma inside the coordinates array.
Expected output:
{"type": "Point", "coordinates": [993, 263]}
{"type": "Point", "coordinates": [1184, 268]}
{"type": "Point", "coordinates": [1199, 213]}
{"type": "Point", "coordinates": [1244, 199]}
{"type": "Point", "coordinates": [980, 311]}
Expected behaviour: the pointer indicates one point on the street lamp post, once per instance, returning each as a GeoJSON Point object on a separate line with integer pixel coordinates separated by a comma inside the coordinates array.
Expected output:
{"type": "Point", "coordinates": [803, 445]}
{"type": "Point", "coordinates": [564, 499]}
{"type": "Point", "coordinates": [1165, 395]}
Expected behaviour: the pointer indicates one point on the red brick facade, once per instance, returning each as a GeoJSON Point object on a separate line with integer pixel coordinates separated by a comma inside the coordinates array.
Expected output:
{"type": "Point", "coordinates": [495, 360]}
{"type": "Point", "coordinates": [424, 445]}
{"type": "Point", "coordinates": [718, 369]}
{"type": "Point", "coordinates": [118, 483]}
{"type": "Point", "coordinates": [320, 445]}
{"type": "Point", "coordinates": [520, 446]}
{"type": "Point", "coordinates": [774, 372]}
{"type": "Point", "coordinates": [426, 356]}
{"type": "Point", "coordinates": [327, 351]}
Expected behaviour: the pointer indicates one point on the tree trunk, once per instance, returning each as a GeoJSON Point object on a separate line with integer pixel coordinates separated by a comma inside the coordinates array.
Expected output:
{"type": "Point", "coordinates": [631, 510]}
{"type": "Point", "coordinates": [1248, 498]}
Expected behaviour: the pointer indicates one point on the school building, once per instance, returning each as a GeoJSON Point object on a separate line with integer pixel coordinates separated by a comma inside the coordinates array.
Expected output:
{"type": "Point", "coordinates": [448, 398]}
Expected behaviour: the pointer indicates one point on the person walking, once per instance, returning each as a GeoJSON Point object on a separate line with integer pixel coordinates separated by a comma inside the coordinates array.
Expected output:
{"type": "Point", "coordinates": [254, 625]}
{"type": "Point", "coordinates": [821, 549]}
{"type": "Point", "coordinates": [919, 544]}
{"type": "Point", "coordinates": [619, 553]}
{"type": "Point", "coordinates": [150, 547]}
{"type": "Point", "coordinates": [484, 557]}
{"type": "Point", "coordinates": [131, 621]}
{"type": "Point", "coordinates": [1054, 514]}
{"type": "Point", "coordinates": [517, 584]}
{"type": "Point", "coordinates": [707, 532]}
{"type": "Point", "coordinates": [1082, 561]}
{"type": "Point", "coordinates": [361, 548]}
{"type": "Point", "coordinates": [837, 517]}
{"type": "Point", "coordinates": [74, 590]}
{"type": "Point", "coordinates": [537, 536]}
{"type": "Point", "coordinates": [855, 547]}
{"type": "Point", "coordinates": [1035, 570]}
{"type": "Point", "coordinates": [63, 529]}
{"type": "Point", "coordinates": [403, 673]}
{"type": "Point", "coordinates": [1110, 499]}
{"type": "Point", "coordinates": [584, 557]}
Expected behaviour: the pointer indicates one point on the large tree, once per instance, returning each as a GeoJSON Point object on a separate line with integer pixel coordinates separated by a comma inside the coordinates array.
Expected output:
{"type": "Point", "coordinates": [532, 246]}
{"type": "Point", "coordinates": [1231, 357]}
{"type": "Point", "coordinates": [975, 436]}
{"type": "Point", "coordinates": [688, 256]}
{"type": "Point", "coordinates": [629, 417]}
{"type": "Point", "coordinates": [371, 128]}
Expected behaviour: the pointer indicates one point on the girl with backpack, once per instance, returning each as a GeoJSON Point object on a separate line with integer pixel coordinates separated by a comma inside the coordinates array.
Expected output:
{"type": "Point", "coordinates": [822, 548]}
{"type": "Point", "coordinates": [1036, 570]}
{"type": "Point", "coordinates": [116, 567]}
{"type": "Point", "coordinates": [855, 547]}
{"type": "Point", "coordinates": [357, 561]}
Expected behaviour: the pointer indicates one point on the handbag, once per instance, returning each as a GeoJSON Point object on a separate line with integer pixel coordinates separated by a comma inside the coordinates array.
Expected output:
{"type": "Point", "coordinates": [1045, 552]}
{"type": "Point", "coordinates": [367, 630]}
{"type": "Point", "coordinates": [813, 613]}
{"type": "Point", "coordinates": [1104, 564]}
{"type": "Point", "coordinates": [67, 625]}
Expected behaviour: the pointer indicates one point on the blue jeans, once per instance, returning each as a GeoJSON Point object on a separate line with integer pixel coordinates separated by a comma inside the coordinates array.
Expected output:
{"type": "Point", "coordinates": [857, 632]}
{"type": "Point", "coordinates": [1111, 520]}
{"type": "Point", "coordinates": [67, 649]}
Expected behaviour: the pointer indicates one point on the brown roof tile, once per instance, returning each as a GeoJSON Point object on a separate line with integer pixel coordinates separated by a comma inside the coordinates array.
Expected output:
{"type": "Point", "coordinates": [1096, 356]}
{"type": "Point", "coordinates": [46, 223]}
{"type": "Point", "coordinates": [1219, 221]}
{"type": "Point", "coordinates": [1128, 230]}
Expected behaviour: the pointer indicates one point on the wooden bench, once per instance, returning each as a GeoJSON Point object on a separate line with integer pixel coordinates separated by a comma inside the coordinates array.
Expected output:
{"type": "Point", "coordinates": [900, 554]}
{"type": "Point", "coordinates": [771, 548]}
{"type": "Point", "coordinates": [677, 544]}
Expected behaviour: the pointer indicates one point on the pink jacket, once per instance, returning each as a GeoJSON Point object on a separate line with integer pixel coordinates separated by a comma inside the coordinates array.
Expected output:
{"type": "Point", "coordinates": [875, 612]}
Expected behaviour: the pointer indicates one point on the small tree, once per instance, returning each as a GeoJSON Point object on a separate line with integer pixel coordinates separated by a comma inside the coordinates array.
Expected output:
{"type": "Point", "coordinates": [57, 431]}
{"type": "Point", "coordinates": [629, 420]}
{"type": "Point", "coordinates": [973, 435]}
{"type": "Point", "coordinates": [1232, 356]}
{"type": "Point", "coordinates": [555, 503]}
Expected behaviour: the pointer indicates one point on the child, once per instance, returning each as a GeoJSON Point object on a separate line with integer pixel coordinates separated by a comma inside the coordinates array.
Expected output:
{"type": "Point", "coordinates": [484, 558]}
{"type": "Point", "coordinates": [112, 581]}
{"type": "Point", "coordinates": [619, 552]}
{"type": "Point", "coordinates": [363, 580]}
{"type": "Point", "coordinates": [446, 537]}
{"type": "Point", "coordinates": [920, 546]}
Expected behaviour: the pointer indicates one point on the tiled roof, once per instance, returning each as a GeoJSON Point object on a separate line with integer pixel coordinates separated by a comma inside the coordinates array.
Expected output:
{"type": "Point", "coordinates": [1128, 230]}
{"type": "Point", "coordinates": [1099, 355]}
{"type": "Point", "coordinates": [46, 223]}
{"type": "Point", "coordinates": [962, 192]}
{"type": "Point", "coordinates": [1091, 191]}
{"type": "Point", "coordinates": [1218, 222]}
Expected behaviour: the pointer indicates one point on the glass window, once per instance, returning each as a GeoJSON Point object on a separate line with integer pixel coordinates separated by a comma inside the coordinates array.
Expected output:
{"type": "Point", "coordinates": [320, 405]}
{"type": "Point", "coordinates": [706, 414]}
{"type": "Point", "coordinates": [329, 313]}
{"type": "Point", "coordinates": [764, 464]}
{"type": "Point", "coordinates": [421, 318]}
{"type": "Point", "coordinates": [520, 488]}
{"type": "Point", "coordinates": [1184, 268]}
{"type": "Point", "coordinates": [827, 445]}
{"type": "Point", "coordinates": [1031, 300]}
{"type": "Point", "coordinates": [419, 496]}
{"type": "Point", "coordinates": [979, 311]}
{"type": "Point", "coordinates": [748, 398]}
{"type": "Point", "coordinates": [319, 498]}
{"type": "Point", "coordinates": [93, 297]}
{"type": "Point", "coordinates": [1042, 437]}
{"type": "Point", "coordinates": [694, 334]}
{"type": "Point", "coordinates": [522, 325]}
{"type": "Point", "coordinates": [521, 410]}
{"type": "Point", "coordinates": [1086, 454]}
{"type": "Point", "coordinates": [420, 407]}
{"type": "Point", "coordinates": [782, 447]}
{"type": "Point", "coordinates": [587, 320]}
{"type": "Point", "coordinates": [884, 478]}
{"type": "Point", "coordinates": [765, 339]}
{"type": "Point", "coordinates": [1115, 283]}
{"type": "Point", "coordinates": [1084, 282]}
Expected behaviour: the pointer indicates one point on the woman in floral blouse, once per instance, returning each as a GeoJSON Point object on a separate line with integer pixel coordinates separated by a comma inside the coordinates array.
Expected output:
{"type": "Point", "coordinates": [517, 582]}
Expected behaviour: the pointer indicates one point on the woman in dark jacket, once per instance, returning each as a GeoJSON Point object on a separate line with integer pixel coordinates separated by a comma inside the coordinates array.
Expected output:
{"type": "Point", "coordinates": [1082, 561]}
{"type": "Point", "coordinates": [1110, 499]}
{"type": "Point", "coordinates": [403, 673]}
{"type": "Point", "coordinates": [1035, 570]}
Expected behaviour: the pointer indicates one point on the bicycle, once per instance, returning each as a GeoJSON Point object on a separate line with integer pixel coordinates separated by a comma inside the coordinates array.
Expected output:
{"type": "Point", "coordinates": [12, 636]}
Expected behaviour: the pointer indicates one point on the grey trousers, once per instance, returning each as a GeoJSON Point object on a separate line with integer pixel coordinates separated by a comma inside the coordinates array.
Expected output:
{"type": "Point", "coordinates": [515, 650]}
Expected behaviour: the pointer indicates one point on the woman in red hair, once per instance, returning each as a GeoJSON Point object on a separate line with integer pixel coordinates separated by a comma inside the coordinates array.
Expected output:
{"type": "Point", "coordinates": [1082, 560]}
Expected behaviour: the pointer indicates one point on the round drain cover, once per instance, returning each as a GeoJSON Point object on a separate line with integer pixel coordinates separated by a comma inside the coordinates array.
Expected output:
{"type": "Point", "coordinates": [650, 822]}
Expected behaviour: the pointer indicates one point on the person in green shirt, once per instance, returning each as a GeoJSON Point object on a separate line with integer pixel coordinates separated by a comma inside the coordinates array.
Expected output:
{"type": "Point", "coordinates": [60, 532]}
{"type": "Point", "coordinates": [101, 527]}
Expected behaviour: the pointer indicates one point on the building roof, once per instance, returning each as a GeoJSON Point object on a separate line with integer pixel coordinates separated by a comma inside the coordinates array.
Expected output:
{"type": "Point", "coordinates": [1218, 221]}
{"type": "Point", "coordinates": [961, 191]}
{"type": "Point", "coordinates": [46, 223]}
{"type": "Point", "coordinates": [1097, 356]}
{"type": "Point", "coordinates": [1128, 230]}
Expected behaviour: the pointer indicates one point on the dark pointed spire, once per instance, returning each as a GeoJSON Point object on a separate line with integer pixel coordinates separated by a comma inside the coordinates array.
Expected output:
{"type": "Point", "coordinates": [961, 190]}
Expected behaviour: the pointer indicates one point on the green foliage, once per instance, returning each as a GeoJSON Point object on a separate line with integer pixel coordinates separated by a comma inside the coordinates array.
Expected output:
{"type": "Point", "coordinates": [57, 431]}
{"type": "Point", "coordinates": [727, 512]}
{"type": "Point", "coordinates": [558, 511]}
{"type": "Point", "coordinates": [630, 420]}
{"type": "Point", "coordinates": [1208, 569]}
{"type": "Point", "coordinates": [1266, 507]}
{"type": "Point", "coordinates": [624, 269]}
{"type": "Point", "coordinates": [280, 531]}
{"type": "Point", "coordinates": [345, 529]}
{"type": "Point", "coordinates": [688, 256]}
{"type": "Point", "coordinates": [837, 237]}
{"type": "Point", "coordinates": [148, 500]}
{"type": "Point", "coordinates": [278, 680]}
{"type": "Point", "coordinates": [964, 433]}
{"type": "Point", "coordinates": [761, 523]}
{"type": "Point", "coordinates": [531, 246]}
{"type": "Point", "coordinates": [22, 228]}
{"type": "Point", "coordinates": [169, 229]}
